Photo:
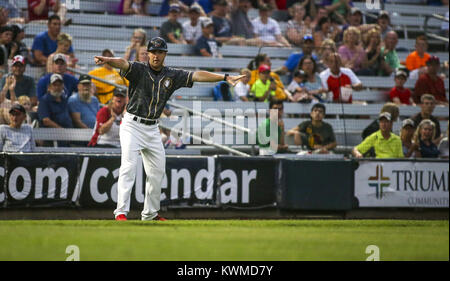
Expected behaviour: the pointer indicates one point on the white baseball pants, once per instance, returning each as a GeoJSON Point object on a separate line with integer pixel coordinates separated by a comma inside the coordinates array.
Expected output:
{"type": "Point", "coordinates": [135, 137]}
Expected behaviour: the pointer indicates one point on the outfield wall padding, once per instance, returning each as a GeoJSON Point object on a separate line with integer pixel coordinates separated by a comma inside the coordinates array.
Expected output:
{"type": "Point", "coordinates": [90, 182]}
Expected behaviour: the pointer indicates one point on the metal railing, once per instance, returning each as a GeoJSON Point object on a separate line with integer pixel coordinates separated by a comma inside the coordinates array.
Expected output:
{"type": "Point", "coordinates": [432, 35]}
{"type": "Point", "coordinates": [194, 137]}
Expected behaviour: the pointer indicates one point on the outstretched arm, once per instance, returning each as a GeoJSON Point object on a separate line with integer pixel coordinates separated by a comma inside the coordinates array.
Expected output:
{"type": "Point", "coordinates": [205, 76]}
{"type": "Point", "coordinates": [120, 63]}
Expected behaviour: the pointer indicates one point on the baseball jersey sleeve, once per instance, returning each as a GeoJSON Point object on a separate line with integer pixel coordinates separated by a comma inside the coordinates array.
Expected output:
{"type": "Point", "coordinates": [183, 78]}
{"type": "Point", "coordinates": [133, 73]}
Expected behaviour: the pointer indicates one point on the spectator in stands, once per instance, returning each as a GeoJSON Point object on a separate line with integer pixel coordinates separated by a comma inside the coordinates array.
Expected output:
{"type": "Point", "coordinates": [291, 63]}
{"type": "Point", "coordinates": [172, 30]}
{"type": "Point", "coordinates": [338, 8]}
{"type": "Point", "coordinates": [406, 136]}
{"type": "Point", "coordinates": [295, 29]}
{"type": "Point", "coordinates": [53, 107]}
{"type": "Point", "coordinates": [138, 40]}
{"type": "Point", "coordinates": [352, 53]}
{"type": "Point", "coordinates": [192, 29]}
{"type": "Point", "coordinates": [5, 39]}
{"type": "Point", "coordinates": [184, 6]}
{"type": "Point", "coordinates": [310, 8]}
{"type": "Point", "coordinates": [133, 7]}
{"type": "Point", "coordinates": [206, 45]}
{"type": "Point", "coordinates": [64, 43]}
{"type": "Point", "coordinates": [106, 133]}
{"type": "Point", "coordinates": [143, 54]}
{"type": "Point", "coordinates": [321, 13]}
{"type": "Point", "coordinates": [325, 31]}
{"type": "Point", "coordinates": [443, 146]}
{"type": "Point", "coordinates": [317, 135]}
{"type": "Point", "coordinates": [280, 92]}
{"type": "Point", "coordinates": [312, 84]}
{"type": "Point", "coordinates": [339, 80]}
{"type": "Point", "coordinates": [424, 138]}
{"type": "Point", "coordinates": [5, 103]}
{"type": "Point", "coordinates": [242, 88]}
{"type": "Point", "coordinates": [268, 143]}
{"type": "Point", "coordinates": [268, 29]}
{"type": "Point", "coordinates": [45, 44]}
{"type": "Point", "coordinates": [328, 46]}
{"type": "Point", "coordinates": [389, 107]}
{"type": "Point", "coordinates": [384, 22]}
{"type": "Point", "coordinates": [83, 107]}
{"type": "Point", "coordinates": [241, 25]}
{"type": "Point", "coordinates": [12, 12]}
{"type": "Point", "coordinates": [38, 10]}
{"type": "Point", "coordinates": [297, 89]}
{"type": "Point", "coordinates": [418, 58]}
{"type": "Point", "coordinates": [59, 67]}
{"type": "Point", "coordinates": [24, 85]}
{"type": "Point", "coordinates": [427, 105]}
{"type": "Point", "coordinates": [222, 25]}
{"type": "Point", "coordinates": [372, 43]}
{"type": "Point", "coordinates": [17, 137]}
{"type": "Point", "coordinates": [389, 55]}
{"type": "Point", "coordinates": [385, 143]}
{"type": "Point", "coordinates": [19, 48]}
{"type": "Point", "coordinates": [431, 83]}
{"type": "Point", "coordinates": [31, 114]}
{"type": "Point", "coordinates": [399, 94]}
{"type": "Point", "coordinates": [264, 88]}
{"type": "Point", "coordinates": [106, 72]}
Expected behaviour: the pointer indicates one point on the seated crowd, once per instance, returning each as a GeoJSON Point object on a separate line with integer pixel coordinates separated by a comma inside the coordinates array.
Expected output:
{"type": "Point", "coordinates": [336, 50]}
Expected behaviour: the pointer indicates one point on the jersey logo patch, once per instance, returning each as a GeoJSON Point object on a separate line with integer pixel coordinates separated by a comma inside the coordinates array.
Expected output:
{"type": "Point", "coordinates": [167, 83]}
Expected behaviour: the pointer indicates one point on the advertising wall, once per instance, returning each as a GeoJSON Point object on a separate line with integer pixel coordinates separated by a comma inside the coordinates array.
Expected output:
{"type": "Point", "coordinates": [402, 184]}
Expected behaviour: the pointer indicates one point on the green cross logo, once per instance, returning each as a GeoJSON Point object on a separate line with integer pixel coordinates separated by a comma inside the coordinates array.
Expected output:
{"type": "Point", "coordinates": [379, 182]}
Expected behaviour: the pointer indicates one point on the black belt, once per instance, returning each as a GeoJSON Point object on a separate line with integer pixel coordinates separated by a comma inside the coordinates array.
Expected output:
{"type": "Point", "coordinates": [145, 122]}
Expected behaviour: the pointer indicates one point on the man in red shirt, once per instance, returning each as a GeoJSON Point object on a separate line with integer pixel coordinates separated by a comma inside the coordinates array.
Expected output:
{"type": "Point", "coordinates": [339, 80]}
{"type": "Point", "coordinates": [431, 83]}
{"type": "Point", "coordinates": [38, 10]}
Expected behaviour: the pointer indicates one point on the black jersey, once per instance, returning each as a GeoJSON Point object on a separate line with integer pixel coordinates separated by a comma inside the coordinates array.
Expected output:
{"type": "Point", "coordinates": [148, 93]}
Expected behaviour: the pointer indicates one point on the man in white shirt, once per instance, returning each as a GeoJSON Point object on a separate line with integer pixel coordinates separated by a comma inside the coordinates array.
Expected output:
{"type": "Point", "coordinates": [268, 29]}
{"type": "Point", "coordinates": [192, 29]}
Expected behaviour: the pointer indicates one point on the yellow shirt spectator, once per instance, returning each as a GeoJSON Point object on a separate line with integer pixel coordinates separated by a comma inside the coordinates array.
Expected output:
{"type": "Point", "coordinates": [279, 92]}
{"type": "Point", "coordinates": [105, 91]}
{"type": "Point", "coordinates": [384, 148]}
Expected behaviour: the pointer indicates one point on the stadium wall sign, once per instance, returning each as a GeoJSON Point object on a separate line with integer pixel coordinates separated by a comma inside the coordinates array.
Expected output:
{"type": "Point", "coordinates": [90, 181]}
{"type": "Point", "coordinates": [38, 180]}
{"type": "Point", "coordinates": [315, 184]}
{"type": "Point", "coordinates": [402, 184]}
{"type": "Point", "coordinates": [246, 182]}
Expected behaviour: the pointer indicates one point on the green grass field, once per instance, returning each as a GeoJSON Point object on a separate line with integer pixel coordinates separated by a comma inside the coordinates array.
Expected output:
{"type": "Point", "coordinates": [225, 240]}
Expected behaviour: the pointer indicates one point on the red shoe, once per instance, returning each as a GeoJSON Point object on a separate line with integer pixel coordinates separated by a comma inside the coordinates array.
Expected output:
{"type": "Point", "coordinates": [121, 217]}
{"type": "Point", "coordinates": [158, 218]}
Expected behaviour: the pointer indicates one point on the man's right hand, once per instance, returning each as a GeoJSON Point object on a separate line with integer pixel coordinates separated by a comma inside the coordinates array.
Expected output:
{"type": "Point", "coordinates": [100, 60]}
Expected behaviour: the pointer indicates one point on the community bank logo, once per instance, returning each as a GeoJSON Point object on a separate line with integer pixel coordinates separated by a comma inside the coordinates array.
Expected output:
{"type": "Point", "coordinates": [379, 182]}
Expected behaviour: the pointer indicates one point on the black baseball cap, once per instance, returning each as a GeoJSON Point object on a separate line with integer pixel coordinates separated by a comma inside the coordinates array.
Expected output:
{"type": "Point", "coordinates": [84, 79]}
{"type": "Point", "coordinates": [157, 43]}
{"type": "Point", "coordinates": [17, 108]}
{"type": "Point", "coordinates": [119, 93]}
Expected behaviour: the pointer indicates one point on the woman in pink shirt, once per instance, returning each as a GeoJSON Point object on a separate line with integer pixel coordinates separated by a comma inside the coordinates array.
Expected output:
{"type": "Point", "coordinates": [352, 53]}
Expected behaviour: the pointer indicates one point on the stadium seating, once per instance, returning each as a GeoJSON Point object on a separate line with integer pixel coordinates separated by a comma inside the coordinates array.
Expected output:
{"type": "Point", "coordinates": [96, 26]}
